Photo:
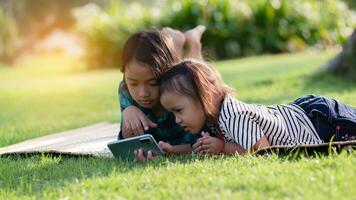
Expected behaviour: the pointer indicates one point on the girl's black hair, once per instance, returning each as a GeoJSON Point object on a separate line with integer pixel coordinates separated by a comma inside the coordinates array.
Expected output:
{"type": "Point", "coordinates": [152, 48]}
{"type": "Point", "coordinates": [199, 81]}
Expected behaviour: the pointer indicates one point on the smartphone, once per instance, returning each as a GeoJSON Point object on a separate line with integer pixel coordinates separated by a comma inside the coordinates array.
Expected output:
{"type": "Point", "coordinates": [124, 149]}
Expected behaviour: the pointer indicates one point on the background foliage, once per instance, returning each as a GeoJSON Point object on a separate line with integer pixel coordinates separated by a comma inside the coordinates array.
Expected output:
{"type": "Point", "coordinates": [245, 27]}
{"type": "Point", "coordinates": [105, 31]}
{"type": "Point", "coordinates": [234, 28]}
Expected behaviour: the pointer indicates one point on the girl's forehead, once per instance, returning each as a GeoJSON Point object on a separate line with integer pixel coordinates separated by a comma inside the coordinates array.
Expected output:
{"type": "Point", "coordinates": [139, 71]}
{"type": "Point", "coordinates": [172, 98]}
{"type": "Point", "coordinates": [138, 65]}
{"type": "Point", "coordinates": [176, 95]}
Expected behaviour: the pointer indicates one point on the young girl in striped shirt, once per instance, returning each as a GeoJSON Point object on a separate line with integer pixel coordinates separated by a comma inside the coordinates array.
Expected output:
{"type": "Point", "coordinates": [195, 93]}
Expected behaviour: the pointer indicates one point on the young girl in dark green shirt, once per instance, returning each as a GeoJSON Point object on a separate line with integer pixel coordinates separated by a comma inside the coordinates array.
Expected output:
{"type": "Point", "coordinates": [146, 56]}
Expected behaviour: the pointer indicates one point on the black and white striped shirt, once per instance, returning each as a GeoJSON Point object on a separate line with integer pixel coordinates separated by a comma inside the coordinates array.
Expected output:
{"type": "Point", "coordinates": [285, 124]}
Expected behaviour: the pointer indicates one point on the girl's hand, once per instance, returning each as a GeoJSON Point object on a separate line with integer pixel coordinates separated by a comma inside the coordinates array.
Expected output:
{"type": "Point", "coordinates": [166, 147]}
{"type": "Point", "coordinates": [141, 156]}
{"type": "Point", "coordinates": [208, 144]}
{"type": "Point", "coordinates": [135, 122]}
{"type": "Point", "coordinates": [197, 146]}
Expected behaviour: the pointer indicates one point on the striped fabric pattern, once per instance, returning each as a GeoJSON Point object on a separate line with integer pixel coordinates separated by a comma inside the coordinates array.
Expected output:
{"type": "Point", "coordinates": [282, 124]}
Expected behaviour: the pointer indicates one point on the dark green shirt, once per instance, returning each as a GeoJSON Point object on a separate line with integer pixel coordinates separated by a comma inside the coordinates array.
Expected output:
{"type": "Point", "coordinates": [167, 130]}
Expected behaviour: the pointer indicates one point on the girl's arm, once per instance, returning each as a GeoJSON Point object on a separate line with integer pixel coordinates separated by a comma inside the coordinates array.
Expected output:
{"type": "Point", "coordinates": [175, 149]}
{"type": "Point", "coordinates": [213, 145]}
{"type": "Point", "coordinates": [231, 148]}
{"type": "Point", "coordinates": [135, 122]}
{"type": "Point", "coordinates": [261, 143]}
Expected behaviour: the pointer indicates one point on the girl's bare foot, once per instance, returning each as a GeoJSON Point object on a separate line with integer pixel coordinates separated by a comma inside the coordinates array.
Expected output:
{"type": "Point", "coordinates": [178, 39]}
{"type": "Point", "coordinates": [193, 37]}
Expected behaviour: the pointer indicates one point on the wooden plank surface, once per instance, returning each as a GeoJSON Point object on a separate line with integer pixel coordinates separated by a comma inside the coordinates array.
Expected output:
{"type": "Point", "coordinates": [90, 140]}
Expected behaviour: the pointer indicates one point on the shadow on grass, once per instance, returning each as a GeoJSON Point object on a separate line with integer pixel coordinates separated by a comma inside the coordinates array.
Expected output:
{"type": "Point", "coordinates": [310, 84]}
{"type": "Point", "coordinates": [32, 174]}
{"type": "Point", "coordinates": [325, 83]}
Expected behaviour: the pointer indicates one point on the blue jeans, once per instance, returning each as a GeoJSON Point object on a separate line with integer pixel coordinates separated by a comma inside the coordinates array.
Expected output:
{"type": "Point", "coordinates": [330, 117]}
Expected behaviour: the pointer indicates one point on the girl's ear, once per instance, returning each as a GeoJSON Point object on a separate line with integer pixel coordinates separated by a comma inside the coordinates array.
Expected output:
{"type": "Point", "coordinates": [124, 82]}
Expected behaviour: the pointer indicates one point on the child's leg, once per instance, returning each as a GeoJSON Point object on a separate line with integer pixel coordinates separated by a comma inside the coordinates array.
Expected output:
{"type": "Point", "coordinates": [329, 117]}
{"type": "Point", "coordinates": [178, 40]}
{"type": "Point", "coordinates": [193, 37]}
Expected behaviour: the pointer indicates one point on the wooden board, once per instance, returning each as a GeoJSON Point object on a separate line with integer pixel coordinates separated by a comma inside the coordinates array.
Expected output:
{"type": "Point", "coordinates": [86, 141]}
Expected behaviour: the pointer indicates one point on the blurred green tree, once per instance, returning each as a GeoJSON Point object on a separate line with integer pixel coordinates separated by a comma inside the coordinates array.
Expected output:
{"type": "Point", "coordinates": [351, 4]}
{"type": "Point", "coordinates": [345, 62]}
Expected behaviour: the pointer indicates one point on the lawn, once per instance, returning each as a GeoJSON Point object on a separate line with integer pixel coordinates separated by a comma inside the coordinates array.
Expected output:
{"type": "Point", "coordinates": [44, 95]}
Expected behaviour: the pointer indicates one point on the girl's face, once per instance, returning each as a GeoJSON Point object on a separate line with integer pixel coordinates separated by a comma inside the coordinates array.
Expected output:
{"type": "Point", "coordinates": [189, 113]}
{"type": "Point", "coordinates": [142, 84]}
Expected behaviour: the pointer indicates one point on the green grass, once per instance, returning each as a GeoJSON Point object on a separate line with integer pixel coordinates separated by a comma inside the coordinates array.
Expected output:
{"type": "Point", "coordinates": [41, 96]}
{"type": "Point", "coordinates": [54, 95]}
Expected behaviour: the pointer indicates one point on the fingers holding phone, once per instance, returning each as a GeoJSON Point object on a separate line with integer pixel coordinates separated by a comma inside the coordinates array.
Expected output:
{"type": "Point", "coordinates": [142, 156]}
